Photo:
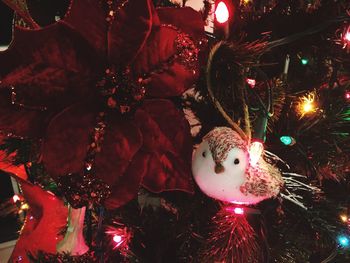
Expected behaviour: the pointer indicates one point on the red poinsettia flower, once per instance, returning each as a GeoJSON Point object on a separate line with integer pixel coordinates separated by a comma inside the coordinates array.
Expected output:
{"type": "Point", "coordinates": [98, 86]}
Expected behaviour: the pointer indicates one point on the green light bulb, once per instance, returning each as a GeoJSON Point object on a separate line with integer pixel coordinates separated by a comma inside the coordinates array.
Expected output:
{"type": "Point", "coordinates": [304, 61]}
{"type": "Point", "coordinates": [286, 140]}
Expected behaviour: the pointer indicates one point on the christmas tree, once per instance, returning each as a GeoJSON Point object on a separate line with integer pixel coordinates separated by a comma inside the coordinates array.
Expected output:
{"type": "Point", "coordinates": [177, 131]}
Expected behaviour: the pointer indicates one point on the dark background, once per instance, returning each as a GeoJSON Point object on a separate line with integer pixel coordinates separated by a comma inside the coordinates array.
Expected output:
{"type": "Point", "coordinates": [5, 24]}
{"type": "Point", "coordinates": [9, 225]}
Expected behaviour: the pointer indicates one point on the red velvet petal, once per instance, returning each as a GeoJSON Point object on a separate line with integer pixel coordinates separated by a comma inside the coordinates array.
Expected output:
{"type": "Point", "coordinates": [172, 82]}
{"type": "Point", "coordinates": [129, 31]}
{"type": "Point", "coordinates": [68, 136]}
{"type": "Point", "coordinates": [167, 172]}
{"type": "Point", "coordinates": [20, 121]}
{"type": "Point", "coordinates": [186, 19]}
{"type": "Point", "coordinates": [174, 78]}
{"type": "Point", "coordinates": [167, 139]}
{"type": "Point", "coordinates": [122, 140]}
{"type": "Point", "coordinates": [88, 18]}
{"type": "Point", "coordinates": [127, 187]}
{"type": "Point", "coordinates": [54, 68]}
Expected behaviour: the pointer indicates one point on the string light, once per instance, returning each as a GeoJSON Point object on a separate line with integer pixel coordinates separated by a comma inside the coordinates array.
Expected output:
{"type": "Point", "coordinates": [120, 237]}
{"type": "Point", "coordinates": [344, 218]}
{"type": "Point", "coordinates": [255, 151]}
{"type": "Point", "coordinates": [235, 210]}
{"type": "Point", "coordinates": [343, 241]}
{"type": "Point", "coordinates": [118, 240]}
{"type": "Point", "coordinates": [343, 37]}
{"type": "Point", "coordinates": [306, 104]}
{"type": "Point", "coordinates": [346, 37]}
{"type": "Point", "coordinates": [347, 95]}
{"type": "Point", "coordinates": [251, 82]}
{"type": "Point", "coordinates": [287, 140]}
{"type": "Point", "coordinates": [16, 198]}
{"type": "Point", "coordinates": [222, 13]}
{"type": "Point", "coordinates": [25, 206]}
{"type": "Point", "coordinates": [304, 61]}
{"type": "Point", "coordinates": [239, 211]}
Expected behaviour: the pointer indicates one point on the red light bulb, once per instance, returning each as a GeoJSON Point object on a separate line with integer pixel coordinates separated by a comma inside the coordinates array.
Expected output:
{"type": "Point", "coordinates": [221, 13]}
{"type": "Point", "coordinates": [347, 95]}
{"type": "Point", "coordinates": [251, 82]}
{"type": "Point", "coordinates": [238, 211]}
{"type": "Point", "coordinates": [118, 240]}
{"type": "Point", "coordinates": [347, 36]}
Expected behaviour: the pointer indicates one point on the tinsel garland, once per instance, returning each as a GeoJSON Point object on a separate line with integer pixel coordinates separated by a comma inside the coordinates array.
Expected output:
{"type": "Point", "coordinates": [43, 257]}
{"type": "Point", "coordinates": [232, 239]}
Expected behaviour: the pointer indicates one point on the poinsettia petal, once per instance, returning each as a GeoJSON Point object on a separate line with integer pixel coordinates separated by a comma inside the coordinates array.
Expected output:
{"type": "Point", "coordinates": [167, 172]}
{"type": "Point", "coordinates": [88, 18]}
{"type": "Point", "coordinates": [167, 139]}
{"type": "Point", "coordinates": [68, 136]}
{"type": "Point", "coordinates": [129, 183]}
{"type": "Point", "coordinates": [162, 54]}
{"type": "Point", "coordinates": [53, 69]}
{"type": "Point", "coordinates": [122, 141]}
{"type": "Point", "coordinates": [19, 121]}
{"type": "Point", "coordinates": [129, 31]}
{"type": "Point", "coordinates": [186, 19]}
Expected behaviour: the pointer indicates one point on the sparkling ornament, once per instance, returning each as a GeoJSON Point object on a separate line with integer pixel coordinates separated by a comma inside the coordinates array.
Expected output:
{"type": "Point", "coordinates": [222, 170]}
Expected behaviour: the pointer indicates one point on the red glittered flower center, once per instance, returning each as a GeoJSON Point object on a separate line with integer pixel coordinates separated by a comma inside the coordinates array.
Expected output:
{"type": "Point", "coordinates": [120, 91]}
